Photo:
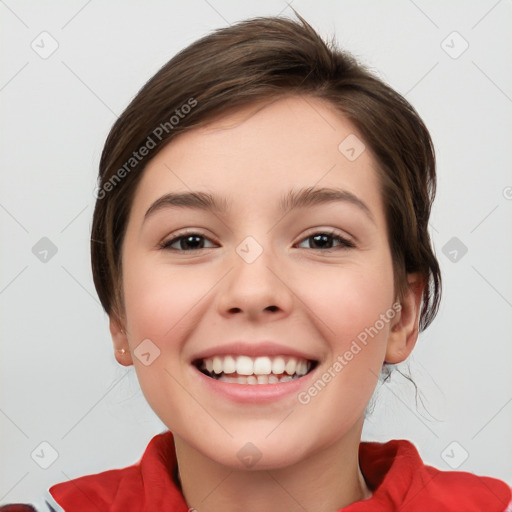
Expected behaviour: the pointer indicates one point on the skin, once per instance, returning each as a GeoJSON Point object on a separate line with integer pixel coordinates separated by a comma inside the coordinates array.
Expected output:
{"type": "Point", "coordinates": [313, 299]}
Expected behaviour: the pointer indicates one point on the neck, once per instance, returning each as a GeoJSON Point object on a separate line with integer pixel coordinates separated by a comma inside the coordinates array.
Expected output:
{"type": "Point", "coordinates": [327, 480]}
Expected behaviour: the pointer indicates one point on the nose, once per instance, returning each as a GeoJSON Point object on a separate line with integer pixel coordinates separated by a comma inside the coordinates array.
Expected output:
{"type": "Point", "coordinates": [259, 290]}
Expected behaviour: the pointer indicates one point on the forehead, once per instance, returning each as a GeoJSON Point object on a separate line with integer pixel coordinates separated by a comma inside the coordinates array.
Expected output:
{"type": "Point", "coordinates": [263, 151]}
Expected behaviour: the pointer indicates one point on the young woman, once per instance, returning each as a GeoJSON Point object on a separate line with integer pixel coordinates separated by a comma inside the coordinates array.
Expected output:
{"type": "Point", "coordinates": [260, 243]}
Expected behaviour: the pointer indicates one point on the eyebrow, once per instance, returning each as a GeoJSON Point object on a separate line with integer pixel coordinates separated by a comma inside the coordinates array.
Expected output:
{"type": "Point", "coordinates": [295, 199]}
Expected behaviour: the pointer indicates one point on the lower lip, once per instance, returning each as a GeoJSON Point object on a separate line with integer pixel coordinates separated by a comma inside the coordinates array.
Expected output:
{"type": "Point", "coordinates": [254, 393]}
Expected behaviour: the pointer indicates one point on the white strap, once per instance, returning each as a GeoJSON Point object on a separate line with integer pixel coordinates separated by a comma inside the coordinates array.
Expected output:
{"type": "Point", "coordinates": [47, 504]}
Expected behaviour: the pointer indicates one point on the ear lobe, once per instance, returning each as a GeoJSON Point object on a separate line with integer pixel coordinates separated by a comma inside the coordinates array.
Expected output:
{"type": "Point", "coordinates": [120, 340]}
{"type": "Point", "coordinates": [405, 327]}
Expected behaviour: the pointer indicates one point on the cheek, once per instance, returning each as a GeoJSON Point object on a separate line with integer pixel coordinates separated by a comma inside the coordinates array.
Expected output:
{"type": "Point", "coordinates": [160, 305]}
{"type": "Point", "coordinates": [346, 301]}
{"type": "Point", "coordinates": [355, 311]}
{"type": "Point", "coordinates": [158, 298]}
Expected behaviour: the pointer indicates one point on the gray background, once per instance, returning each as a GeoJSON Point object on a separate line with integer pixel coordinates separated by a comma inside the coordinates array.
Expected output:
{"type": "Point", "coordinates": [60, 383]}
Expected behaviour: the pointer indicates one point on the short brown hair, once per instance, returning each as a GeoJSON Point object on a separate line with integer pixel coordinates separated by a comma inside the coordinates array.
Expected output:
{"type": "Point", "coordinates": [259, 59]}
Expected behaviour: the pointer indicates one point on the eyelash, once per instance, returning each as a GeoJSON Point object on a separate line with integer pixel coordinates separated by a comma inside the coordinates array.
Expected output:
{"type": "Point", "coordinates": [344, 242]}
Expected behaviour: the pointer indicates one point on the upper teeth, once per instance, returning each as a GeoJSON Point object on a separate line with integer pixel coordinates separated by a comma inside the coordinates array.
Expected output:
{"type": "Point", "coordinates": [245, 365]}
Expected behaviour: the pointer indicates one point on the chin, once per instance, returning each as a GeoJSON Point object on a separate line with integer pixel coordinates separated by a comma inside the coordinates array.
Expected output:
{"type": "Point", "coordinates": [252, 451]}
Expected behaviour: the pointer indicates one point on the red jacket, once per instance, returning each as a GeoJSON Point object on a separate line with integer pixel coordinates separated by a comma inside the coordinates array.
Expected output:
{"type": "Point", "coordinates": [394, 472]}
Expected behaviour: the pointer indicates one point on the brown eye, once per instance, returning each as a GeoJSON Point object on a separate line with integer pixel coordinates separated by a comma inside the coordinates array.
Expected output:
{"type": "Point", "coordinates": [188, 242]}
{"type": "Point", "coordinates": [321, 241]}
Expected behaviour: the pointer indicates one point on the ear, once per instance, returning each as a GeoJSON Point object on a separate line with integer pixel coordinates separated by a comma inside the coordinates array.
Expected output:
{"type": "Point", "coordinates": [120, 339]}
{"type": "Point", "coordinates": [405, 326]}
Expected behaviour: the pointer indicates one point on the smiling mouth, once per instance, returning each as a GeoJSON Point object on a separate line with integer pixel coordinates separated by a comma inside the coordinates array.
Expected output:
{"type": "Point", "coordinates": [255, 370]}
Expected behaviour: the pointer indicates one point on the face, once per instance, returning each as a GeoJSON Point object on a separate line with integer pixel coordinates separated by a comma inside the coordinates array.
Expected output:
{"type": "Point", "coordinates": [258, 283]}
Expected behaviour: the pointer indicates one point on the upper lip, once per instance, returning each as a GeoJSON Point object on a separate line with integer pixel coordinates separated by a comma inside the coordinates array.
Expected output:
{"type": "Point", "coordinates": [252, 349]}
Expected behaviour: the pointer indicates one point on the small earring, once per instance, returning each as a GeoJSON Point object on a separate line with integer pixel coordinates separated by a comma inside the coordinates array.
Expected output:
{"type": "Point", "coordinates": [122, 351]}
